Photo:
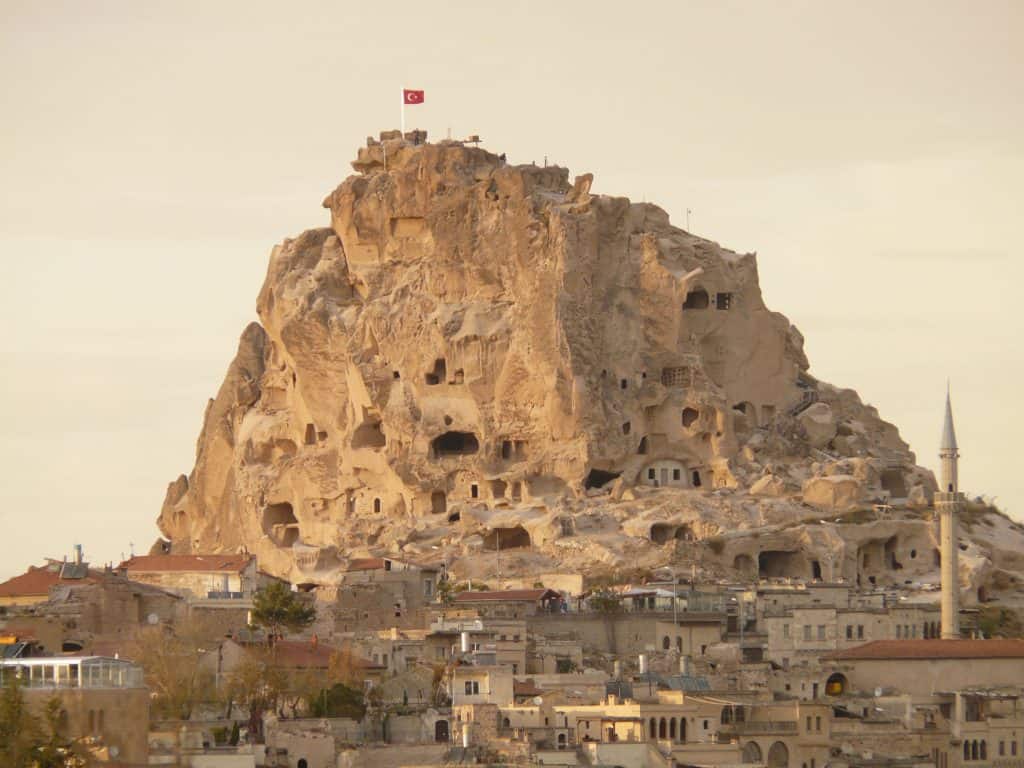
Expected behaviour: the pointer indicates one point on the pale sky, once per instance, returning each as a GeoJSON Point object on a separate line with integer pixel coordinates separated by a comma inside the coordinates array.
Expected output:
{"type": "Point", "coordinates": [152, 153]}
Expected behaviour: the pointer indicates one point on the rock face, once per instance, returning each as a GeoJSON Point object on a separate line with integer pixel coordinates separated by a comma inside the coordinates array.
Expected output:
{"type": "Point", "coordinates": [477, 356]}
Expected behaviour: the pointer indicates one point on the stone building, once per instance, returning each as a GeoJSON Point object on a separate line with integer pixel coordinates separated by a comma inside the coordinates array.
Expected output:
{"type": "Point", "coordinates": [103, 700]}
{"type": "Point", "coordinates": [378, 593]}
{"type": "Point", "coordinates": [196, 576]}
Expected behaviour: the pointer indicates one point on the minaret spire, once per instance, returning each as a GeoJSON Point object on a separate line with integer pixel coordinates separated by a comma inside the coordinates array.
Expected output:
{"type": "Point", "coordinates": [947, 504]}
{"type": "Point", "coordinates": [948, 452]}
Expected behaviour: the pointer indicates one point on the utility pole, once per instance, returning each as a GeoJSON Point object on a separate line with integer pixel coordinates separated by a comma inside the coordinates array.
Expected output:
{"type": "Point", "coordinates": [675, 600]}
{"type": "Point", "coordinates": [688, 211]}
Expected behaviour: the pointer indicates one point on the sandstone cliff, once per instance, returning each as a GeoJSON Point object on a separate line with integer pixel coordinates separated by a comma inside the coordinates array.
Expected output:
{"type": "Point", "coordinates": [478, 356]}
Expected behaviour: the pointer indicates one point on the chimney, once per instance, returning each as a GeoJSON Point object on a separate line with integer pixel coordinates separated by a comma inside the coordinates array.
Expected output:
{"type": "Point", "coordinates": [78, 554]}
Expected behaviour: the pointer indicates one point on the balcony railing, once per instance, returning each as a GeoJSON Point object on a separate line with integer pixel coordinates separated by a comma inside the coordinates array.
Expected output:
{"type": "Point", "coordinates": [759, 728]}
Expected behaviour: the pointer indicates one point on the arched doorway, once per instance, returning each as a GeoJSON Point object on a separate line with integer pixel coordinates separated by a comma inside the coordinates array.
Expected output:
{"type": "Point", "coordinates": [662, 729]}
{"type": "Point", "coordinates": [778, 755]}
{"type": "Point", "coordinates": [441, 731]}
{"type": "Point", "coordinates": [652, 732]}
{"type": "Point", "coordinates": [836, 684]}
{"type": "Point", "coordinates": [302, 763]}
{"type": "Point", "coordinates": [744, 564]}
{"type": "Point", "coordinates": [751, 752]}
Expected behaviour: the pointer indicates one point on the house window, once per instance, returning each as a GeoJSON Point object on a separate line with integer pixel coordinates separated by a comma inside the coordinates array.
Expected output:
{"type": "Point", "coordinates": [428, 588]}
{"type": "Point", "coordinates": [723, 300]}
{"type": "Point", "coordinates": [821, 631]}
{"type": "Point", "coordinates": [817, 723]}
{"type": "Point", "coordinates": [860, 631]}
{"type": "Point", "coordinates": [849, 631]}
{"type": "Point", "coordinates": [472, 687]}
{"type": "Point", "coordinates": [807, 631]}
{"type": "Point", "coordinates": [651, 474]}
{"type": "Point", "coordinates": [676, 474]}
{"type": "Point", "coordinates": [808, 722]}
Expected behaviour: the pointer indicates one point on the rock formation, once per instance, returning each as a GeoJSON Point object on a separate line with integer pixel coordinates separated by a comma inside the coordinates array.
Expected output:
{"type": "Point", "coordinates": [478, 356]}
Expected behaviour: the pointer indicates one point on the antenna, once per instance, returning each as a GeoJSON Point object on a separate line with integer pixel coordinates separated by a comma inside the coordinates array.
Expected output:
{"type": "Point", "coordinates": [497, 541]}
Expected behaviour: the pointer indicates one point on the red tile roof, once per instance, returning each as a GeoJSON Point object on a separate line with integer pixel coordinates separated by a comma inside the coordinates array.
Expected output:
{"type": "Point", "coordinates": [36, 582]}
{"type": "Point", "coordinates": [306, 654]}
{"type": "Point", "coordinates": [508, 595]}
{"type": "Point", "coordinates": [186, 563]}
{"type": "Point", "coordinates": [526, 688]}
{"type": "Point", "coordinates": [908, 650]}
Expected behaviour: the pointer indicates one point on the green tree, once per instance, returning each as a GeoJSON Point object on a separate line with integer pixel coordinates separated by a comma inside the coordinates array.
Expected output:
{"type": "Point", "coordinates": [276, 608]}
{"type": "Point", "coordinates": [55, 750]}
{"type": "Point", "coordinates": [30, 741]}
{"type": "Point", "coordinates": [20, 730]}
{"type": "Point", "coordinates": [339, 700]}
{"type": "Point", "coordinates": [605, 600]}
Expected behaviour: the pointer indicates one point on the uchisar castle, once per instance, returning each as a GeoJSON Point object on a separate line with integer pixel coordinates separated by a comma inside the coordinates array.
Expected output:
{"type": "Point", "coordinates": [560, 490]}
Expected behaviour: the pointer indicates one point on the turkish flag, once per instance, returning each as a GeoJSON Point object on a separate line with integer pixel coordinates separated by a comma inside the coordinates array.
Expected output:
{"type": "Point", "coordinates": [412, 97]}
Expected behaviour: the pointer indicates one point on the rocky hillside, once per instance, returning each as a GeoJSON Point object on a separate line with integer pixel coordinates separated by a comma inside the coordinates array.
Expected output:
{"type": "Point", "coordinates": [477, 356]}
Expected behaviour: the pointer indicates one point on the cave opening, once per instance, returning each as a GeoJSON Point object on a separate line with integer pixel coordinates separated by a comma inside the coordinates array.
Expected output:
{"type": "Point", "coordinates": [369, 435]}
{"type": "Point", "coordinates": [662, 533]}
{"type": "Point", "coordinates": [598, 478]}
{"type": "Point", "coordinates": [779, 564]}
{"type": "Point", "coordinates": [437, 375]}
{"type": "Point", "coordinates": [280, 524]}
{"type": "Point", "coordinates": [438, 502]}
{"type": "Point", "coordinates": [697, 299]}
{"type": "Point", "coordinates": [455, 444]}
{"type": "Point", "coordinates": [893, 482]}
{"type": "Point", "coordinates": [507, 538]}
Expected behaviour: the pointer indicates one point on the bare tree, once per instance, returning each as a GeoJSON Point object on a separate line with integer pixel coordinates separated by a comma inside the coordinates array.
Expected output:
{"type": "Point", "coordinates": [173, 662]}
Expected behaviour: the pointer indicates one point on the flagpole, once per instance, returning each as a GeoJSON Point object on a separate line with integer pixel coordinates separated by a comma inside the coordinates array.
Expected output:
{"type": "Point", "coordinates": [402, 93]}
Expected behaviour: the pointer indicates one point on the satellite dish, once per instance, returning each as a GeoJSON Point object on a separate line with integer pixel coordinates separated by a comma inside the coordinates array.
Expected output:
{"type": "Point", "coordinates": [152, 619]}
{"type": "Point", "coordinates": [538, 700]}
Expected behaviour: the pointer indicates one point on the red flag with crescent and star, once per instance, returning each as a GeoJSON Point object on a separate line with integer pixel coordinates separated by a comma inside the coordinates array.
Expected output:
{"type": "Point", "coordinates": [412, 97]}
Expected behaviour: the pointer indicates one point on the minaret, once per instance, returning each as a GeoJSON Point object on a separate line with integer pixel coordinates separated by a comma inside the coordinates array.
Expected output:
{"type": "Point", "coordinates": [948, 502]}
